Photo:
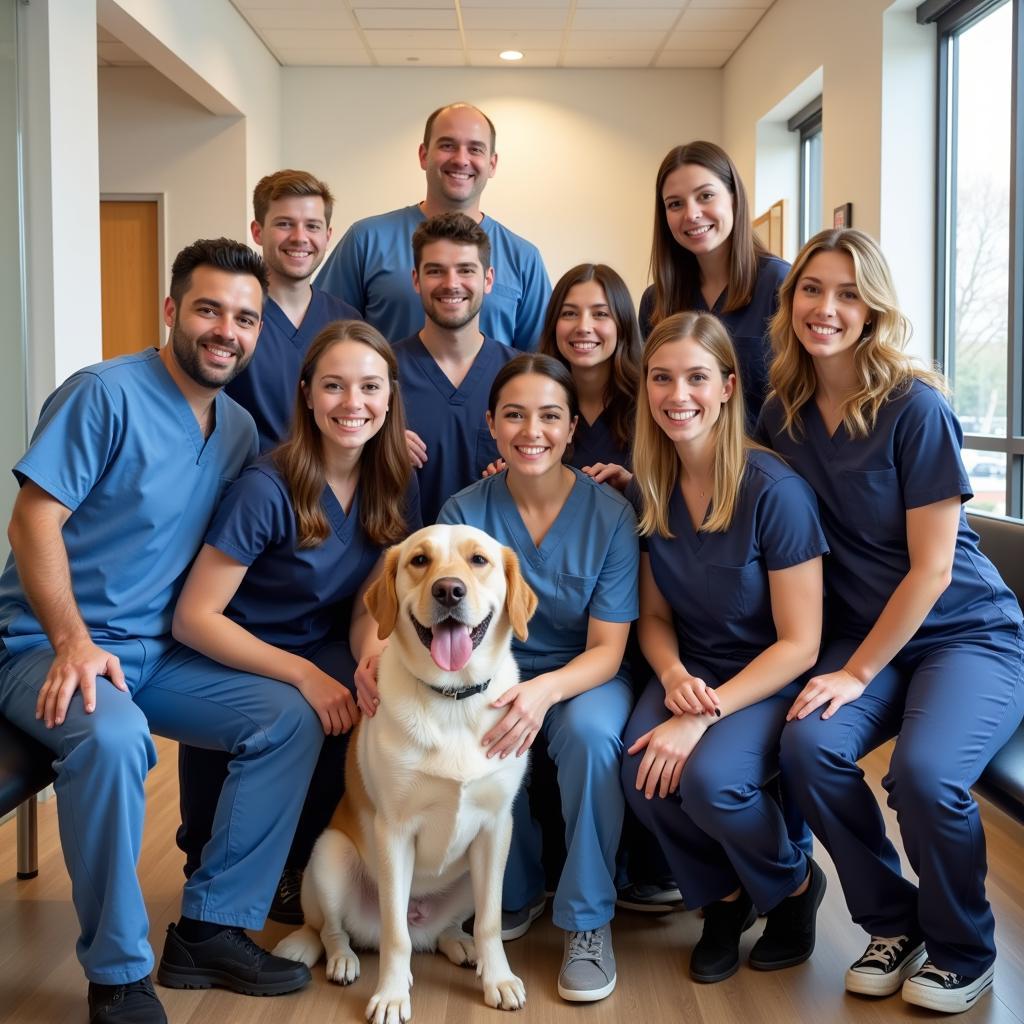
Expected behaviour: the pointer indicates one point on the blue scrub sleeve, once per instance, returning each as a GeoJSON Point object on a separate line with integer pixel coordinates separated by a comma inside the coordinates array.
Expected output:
{"type": "Point", "coordinates": [616, 594]}
{"type": "Point", "coordinates": [452, 513]}
{"type": "Point", "coordinates": [532, 305]}
{"type": "Point", "coordinates": [79, 433]}
{"type": "Point", "coordinates": [342, 275]}
{"type": "Point", "coordinates": [927, 451]}
{"type": "Point", "coordinates": [788, 529]}
{"type": "Point", "coordinates": [254, 514]}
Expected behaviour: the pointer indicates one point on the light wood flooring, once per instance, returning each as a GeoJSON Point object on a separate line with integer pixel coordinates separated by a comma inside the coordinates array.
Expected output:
{"type": "Point", "coordinates": [41, 982]}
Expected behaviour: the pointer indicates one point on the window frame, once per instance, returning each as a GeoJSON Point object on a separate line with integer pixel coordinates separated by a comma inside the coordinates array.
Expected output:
{"type": "Point", "coordinates": [808, 123]}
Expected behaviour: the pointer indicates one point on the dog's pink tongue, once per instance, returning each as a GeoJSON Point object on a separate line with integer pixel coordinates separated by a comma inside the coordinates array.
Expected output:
{"type": "Point", "coordinates": [451, 646]}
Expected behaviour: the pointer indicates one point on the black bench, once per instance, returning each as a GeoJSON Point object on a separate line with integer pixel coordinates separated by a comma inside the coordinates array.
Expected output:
{"type": "Point", "coordinates": [26, 767]}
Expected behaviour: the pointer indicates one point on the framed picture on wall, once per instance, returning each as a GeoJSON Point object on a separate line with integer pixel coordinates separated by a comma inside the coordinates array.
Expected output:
{"type": "Point", "coordinates": [842, 216]}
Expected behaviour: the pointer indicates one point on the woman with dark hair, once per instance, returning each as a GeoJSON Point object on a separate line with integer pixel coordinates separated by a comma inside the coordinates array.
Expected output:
{"type": "Point", "coordinates": [277, 587]}
{"type": "Point", "coordinates": [706, 257]}
{"type": "Point", "coordinates": [924, 642]}
{"type": "Point", "coordinates": [575, 693]}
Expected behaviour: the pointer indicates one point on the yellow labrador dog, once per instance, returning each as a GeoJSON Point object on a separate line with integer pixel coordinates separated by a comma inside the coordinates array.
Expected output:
{"type": "Point", "coordinates": [422, 834]}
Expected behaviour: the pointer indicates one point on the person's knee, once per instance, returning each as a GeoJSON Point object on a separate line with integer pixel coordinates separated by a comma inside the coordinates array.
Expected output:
{"type": "Point", "coordinates": [805, 748]}
{"type": "Point", "coordinates": [919, 779]}
{"type": "Point", "coordinates": [115, 738]}
{"type": "Point", "coordinates": [295, 720]}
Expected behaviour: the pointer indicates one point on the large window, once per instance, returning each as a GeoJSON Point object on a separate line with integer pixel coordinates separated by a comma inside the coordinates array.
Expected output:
{"type": "Point", "coordinates": [808, 123]}
{"type": "Point", "coordinates": [980, 253]}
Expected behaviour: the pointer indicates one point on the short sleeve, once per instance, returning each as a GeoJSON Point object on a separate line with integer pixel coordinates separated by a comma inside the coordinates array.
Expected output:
{"type": "Point", "coordinates": [788, 529]}
{"type": "Point", "coordinates": [254, 514]}
{"type": "Point", "coordinates": [452, 513]}
{"type": "Point", "coordinates": [534, 301]}
{"type": "Point", "coordinates": [80, 430]}
{"type": "Point", "coordinates": [342, 274]}
{"type": "Point", "coordinates": [927, 451]}
{"type": "Point", "coordinates": [615, 597]}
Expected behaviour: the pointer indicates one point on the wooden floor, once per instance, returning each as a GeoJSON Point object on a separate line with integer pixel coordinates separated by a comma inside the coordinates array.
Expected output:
{"type": "Point", "coordinates": [41, 982]}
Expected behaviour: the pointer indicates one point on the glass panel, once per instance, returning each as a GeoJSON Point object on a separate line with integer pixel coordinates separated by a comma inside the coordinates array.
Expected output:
{"type": "Point", "coordinates": [812, 186]}
{"type": "Point", "coordinates": [987, 472]}
{"type": "Point", "coordinates": [981, 216]}
{"type": "Point", "coordinates": [12, 349]}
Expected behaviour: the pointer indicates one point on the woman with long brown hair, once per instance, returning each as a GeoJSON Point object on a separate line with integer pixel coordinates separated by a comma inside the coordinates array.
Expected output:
{"type": "Point", "coordinates": [277, 587]}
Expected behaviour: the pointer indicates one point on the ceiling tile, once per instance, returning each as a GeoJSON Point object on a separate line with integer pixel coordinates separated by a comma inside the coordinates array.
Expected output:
{"type": "Point", "coordinates": [676, 5]}
{"type": "Point", "coordinates": [657, 18]}
{"type": "Point", "coordinates": [422, 58]}
{"type": "Point", "coordinates": [285, 17]}
{"type": "Point", "coordinates": [424, 39]}
{"type": "Point", "coordinates": [531, 59]}
{"type": "Point", "coordinates": [562, 5]}
{"type": "Point", "coordinates": [607, 58]}
{"type": "Point", "coordinates": [490, 39]}
{"type": "Point", "coordinates": [615, 40]}
{"type": "Point", "coordinates": [707, 20]}
{"type": "Point", "coordinates": [310, 39]}
{"type": "Point", "coordinates": [294, 5]}
{"type": "Point", "coordinates": [692, 58]}
{"type": "Point", "coordinates": [761, 4]}
{"type": "Point", "coordinates": [393, 18]}
{"type": "Point", "coordinates": [705, 40]}
{"type": "Point", "coordinates": [523, 18]}
{"type": "Point", "coordinates": [323, 58]}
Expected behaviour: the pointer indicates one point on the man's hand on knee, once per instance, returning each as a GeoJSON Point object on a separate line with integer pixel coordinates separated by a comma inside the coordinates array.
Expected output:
{"type": "Point", "coordinates": [76, 666]}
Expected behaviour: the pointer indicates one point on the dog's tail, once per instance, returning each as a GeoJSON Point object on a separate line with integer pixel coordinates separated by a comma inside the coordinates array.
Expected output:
{"type": "Point", "coordinates": [303, 945]}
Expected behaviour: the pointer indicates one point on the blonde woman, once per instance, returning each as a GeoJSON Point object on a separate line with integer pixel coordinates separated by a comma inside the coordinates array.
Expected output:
{"type": "Point", "coordinates": [730, 615]}
{"type": "Point", "coordinates": [924, 640]}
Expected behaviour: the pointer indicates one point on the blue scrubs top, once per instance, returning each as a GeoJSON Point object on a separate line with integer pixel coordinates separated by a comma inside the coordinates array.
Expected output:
{"type": "Point", "coordinates": [449, 419]}
{"type": "Point", "coordinates": [118, 444]}
{"type": "Point", "coordinates": [268, 385]}
{"type": "Point", "coordinates": [595, 442]}
{"type": "Point", "coordinates": [291, 597]}
{"type": "Point", "coordinates": [864, 488]}
{"type": "Point", "coordinates": [586, 564]}
{"type": "Point", "coordinates": [747, 326]}
{"type": "Point", "coordinates": [717, 583]}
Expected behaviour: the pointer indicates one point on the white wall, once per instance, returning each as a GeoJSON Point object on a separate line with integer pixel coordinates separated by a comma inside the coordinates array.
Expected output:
{"type": "Point", "coordinates": [577, 150]}
{"type": "Point", "coordinates": [877, 68]}
{"type": "Point", "coordinates": [155, 139]}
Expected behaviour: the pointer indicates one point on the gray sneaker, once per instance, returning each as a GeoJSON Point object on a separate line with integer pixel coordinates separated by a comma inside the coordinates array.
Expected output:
{"type": "Point", "coordinates": [514, 923]}
{"type": "Point", "coordinates": [588, 966]}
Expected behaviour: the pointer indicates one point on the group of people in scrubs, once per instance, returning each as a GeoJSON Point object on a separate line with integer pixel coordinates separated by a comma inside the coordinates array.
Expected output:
{"type": "Point", "coordinates": [752, 472]}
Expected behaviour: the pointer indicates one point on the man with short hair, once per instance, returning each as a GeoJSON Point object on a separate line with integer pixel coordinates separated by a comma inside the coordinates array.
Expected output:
{"type": "Point", "coordinates": [370, 267]}
{"type": "Point", "coordinates": [125, 468]}
{"type": "Point", "coordinates": [292, 223]}
{"type": "Point", "coordinates": [446, 368]}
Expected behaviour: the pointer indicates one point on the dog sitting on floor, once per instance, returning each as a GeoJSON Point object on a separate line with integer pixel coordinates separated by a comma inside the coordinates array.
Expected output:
{"type": "Point", "coordinates": [421, 836]}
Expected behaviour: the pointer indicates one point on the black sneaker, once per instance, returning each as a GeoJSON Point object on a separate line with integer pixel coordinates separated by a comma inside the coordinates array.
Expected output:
{"type": "Point", "coordinates": [885, 965]}
{"type": "Point", "coordinates": [229, 960]}
{"type": "Point", "coordinates": [650, 897]}
{"type": "Point", "coordinates": [717, 955]}
{"type": "Point", "coordinates": [134, 1003]}
{"type": "Point", "coordinates": [286, 907]}
{"type": "Point", "coordinates": [946, 991]}
{"type": "Point", "coordinates": [788, 936]}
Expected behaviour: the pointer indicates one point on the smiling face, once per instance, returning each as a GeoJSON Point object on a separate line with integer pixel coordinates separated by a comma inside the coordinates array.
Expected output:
{"type": "Point", "coordinates": [294, 236]}
{"type": "Point", "coordinates": [585, 332]}
{"type": "Point", "coordinates": [829, 316]}
{"type": "Point", "coordinates": [451, 283]}
{"type": "Point", "coordinates": [458, 161]}
{"type": "Point", "coordinates": [699, 209]}
{"type": "Point", "coordinates": [532, 424]}
{"type": "Point", "coordinates": [348, 394]}
{"type": "Point", "coordinates": [215, 326]}
{"type": "Point", "coordinates": [686, 391]}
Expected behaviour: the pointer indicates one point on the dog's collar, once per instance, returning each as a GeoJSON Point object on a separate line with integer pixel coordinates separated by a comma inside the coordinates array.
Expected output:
{"type": "Point", "coordinates": [458, 694]}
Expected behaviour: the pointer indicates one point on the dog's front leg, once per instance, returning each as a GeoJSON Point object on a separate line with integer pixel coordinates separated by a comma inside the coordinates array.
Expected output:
{"type": "Point", "coordinates": [396, 852]}
{"type": "Point", "coordinates": [487, 855]}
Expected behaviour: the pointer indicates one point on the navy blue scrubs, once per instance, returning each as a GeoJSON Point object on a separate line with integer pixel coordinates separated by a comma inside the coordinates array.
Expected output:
{"type": "Point", "coordinates": [953, 695]}
{"type": "Point", "coordinates": [721, 829]}
{"type": "Point", "coordinates": [267, 387]}
{"type": "Point", "coordinates": [595, 442]}
{"type": "Point", "coordinates": [449, 419]}
{"type": "Point", "coordinates": [747, 326]}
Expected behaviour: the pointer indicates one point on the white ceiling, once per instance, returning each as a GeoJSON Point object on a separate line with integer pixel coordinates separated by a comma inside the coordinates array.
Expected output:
{"type": "Point", "coordinates": [459, 33]}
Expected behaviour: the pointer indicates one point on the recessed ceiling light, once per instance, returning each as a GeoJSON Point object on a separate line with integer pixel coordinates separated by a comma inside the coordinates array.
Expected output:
{"type": "Point", "coordinates": [511, 55]}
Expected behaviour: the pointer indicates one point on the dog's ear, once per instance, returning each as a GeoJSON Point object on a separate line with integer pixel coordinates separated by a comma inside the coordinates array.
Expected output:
{"type": "Point", "coordinates": [382, 595]}
{"type": "Point", "coordinates": [520, 600]}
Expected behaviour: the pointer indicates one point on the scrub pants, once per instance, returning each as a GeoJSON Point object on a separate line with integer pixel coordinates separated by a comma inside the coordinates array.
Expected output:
{"type": "Point", "coordinates": [102, 759]}
{"type": "Point", "coordinates": [721, 829]}
{"type": "Point", "coordinates": [952, 705]}
{"type": "Point", "coordinates": [584, 739]}
{"type": "Point", "coordinates": [201, 775]}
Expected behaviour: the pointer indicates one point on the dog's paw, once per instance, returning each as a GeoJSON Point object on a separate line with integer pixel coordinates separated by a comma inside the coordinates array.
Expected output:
{"type": "Point", "coordinates": [302, 945]}
{"type": "Point", "coordinates": [343, 967]}
{"type": "Point", "coordinates": [389, 1007]}
{"type": "Point", "coordinates": [458, 947]}
{"type": "Point", "coordinates": [507, 994]}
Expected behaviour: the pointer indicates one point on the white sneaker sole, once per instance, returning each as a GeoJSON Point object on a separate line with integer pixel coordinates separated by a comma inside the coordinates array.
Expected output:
{"type": "Point", "coordinates": [591, 995]}
{"type": "Point", "coordinates": [878, 985]}
{"type": "Point", "coordinates": [511, 934]}
{"type": "Point", "coordinates": [948, 1000]}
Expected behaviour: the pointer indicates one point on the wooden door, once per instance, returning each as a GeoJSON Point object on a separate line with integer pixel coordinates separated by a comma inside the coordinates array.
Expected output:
{"type": "Point", "coordinates": [130, 279]}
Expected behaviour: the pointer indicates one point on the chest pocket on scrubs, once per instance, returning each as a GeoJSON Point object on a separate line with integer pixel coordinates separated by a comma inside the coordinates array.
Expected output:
{"type": "Point", "coordinates": [875, 496]}
{"type": "Point", "coordinates": [734, 591]}
{"type": "Point", "coordinates": [486, 451]}
{"type": "Point", "coordinates": [572, 597]}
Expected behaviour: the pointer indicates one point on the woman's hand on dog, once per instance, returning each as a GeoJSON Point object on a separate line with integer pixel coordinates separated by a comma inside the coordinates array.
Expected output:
{"type": "Point", "coordinates": [330, 699]}
{"type": "Point", "coordinates": [525, 705]}
{"type": "Point", "coordinates": [366, 685]}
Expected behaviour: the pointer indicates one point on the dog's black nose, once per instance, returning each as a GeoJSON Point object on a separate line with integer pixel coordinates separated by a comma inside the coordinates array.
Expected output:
{"type": "Point", "coordinates": [448, 591]}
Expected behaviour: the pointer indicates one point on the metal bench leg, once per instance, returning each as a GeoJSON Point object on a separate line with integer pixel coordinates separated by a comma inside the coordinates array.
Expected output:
{"type": "Point", "coordinates": [28, 839]}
